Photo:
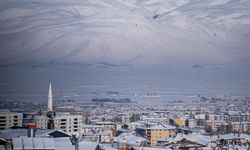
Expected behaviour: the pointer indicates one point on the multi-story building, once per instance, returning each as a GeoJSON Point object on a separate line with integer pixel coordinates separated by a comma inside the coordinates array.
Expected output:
{"type": "Point", "coordinates": [133, 125]}
{"type": "Point", "coordinates": [125, 119]}
{"type": "Point", "coordinates": [191, 123]}
{"type": "Point", "coordinates": [233, 117]}
{"type": "Point", "coordinates": [217, 126]}
{"type": "Point", "coordinates": [200, 120]}
{"type": "Point", "coordinates": [245, 116]}
{"type": "Point", "coordinates": [245, 127]}
{"type": "Point", "coordinates": [63, 121]}
{"type": "Point", "coordinates": [92, 128]}
{"type": "Point", "coordinates": [153, 134]}
{"type": "Point", "coordinates": [154, 119]}
{"type": "Point", "coordinates": [28, 118]}
{"type": "Point", "coordinates": [107, 124]}
{"type": "Point", "coordinates": [240, 127]}
{"type": "Point", "coordinates": [41, 122]}
{"type": "Point", "coordinates": [10, 119]}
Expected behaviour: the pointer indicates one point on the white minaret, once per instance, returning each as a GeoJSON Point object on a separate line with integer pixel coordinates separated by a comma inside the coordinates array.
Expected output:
{"type": "Point", "coordinates": [50, 98]}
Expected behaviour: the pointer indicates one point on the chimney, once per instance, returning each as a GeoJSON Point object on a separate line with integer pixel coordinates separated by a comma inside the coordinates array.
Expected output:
{"type": "Point", "coordinates": [31, 130]}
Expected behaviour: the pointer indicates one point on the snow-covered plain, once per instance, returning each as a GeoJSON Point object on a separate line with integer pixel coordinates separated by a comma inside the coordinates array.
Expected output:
{"type": "Point", "coordinates": [126, 32]}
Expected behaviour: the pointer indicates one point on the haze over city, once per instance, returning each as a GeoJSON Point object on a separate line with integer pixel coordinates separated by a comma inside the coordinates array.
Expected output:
{"type": "Point", "coordinates": [170, 59]}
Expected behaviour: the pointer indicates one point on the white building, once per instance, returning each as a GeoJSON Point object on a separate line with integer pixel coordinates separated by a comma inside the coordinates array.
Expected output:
{"type": "Point", "coordinates": [63, 121]}
{"type": "Point", "coordinates": [133, 125]}
{"type": "Point", "coordinates": [192, 123]}
{"type": "Point", "coordinates": [155, 119]}
{"type": "Point", "coordinates": [10, 119]}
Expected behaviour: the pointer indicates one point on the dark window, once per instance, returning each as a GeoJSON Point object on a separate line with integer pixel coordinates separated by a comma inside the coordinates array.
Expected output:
{"type": "Point", "coordinates": [75, 130]}
{"type": "Point", "coordinates": [75, 122]}
{"type": "Point", "coordinates": [63, 127]}
{"type": "Point", "coordinates": [75, 119]}
{"type": "Point", "coordinates": [2, 124]}
{"type": "Point", "coordinates": [15, 120]}
{"type": "Point", "coordinates": [3, 121]}
{"type": "Point", "coordinates": [63, 119]}
{"type": "Point", "coordinates": [15, 116]}
{"type": "Point", "coordinates": [75, 126]}
{"type": "Point", "coordinates": [2, 117]}
{"type": "Point", "coordinates": [15, 124]}
{"type": "Point", "coordinates": [63, 123]}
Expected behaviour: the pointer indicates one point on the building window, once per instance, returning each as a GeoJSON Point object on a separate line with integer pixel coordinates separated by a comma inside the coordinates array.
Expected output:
{"type": "Point", "coordinates": [63, 120]}
{"type": "Point", "coordinates": [2, 117]}
{"type": "Point", "coordinates": [15, 117]}
{"type": "Point", "coordinates": [75, 119]}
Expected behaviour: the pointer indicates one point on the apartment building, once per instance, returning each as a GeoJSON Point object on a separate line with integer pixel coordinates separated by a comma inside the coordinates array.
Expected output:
{"type": "Point", "coordinates": [155, 133]}
{"type": "Point", "coordinates": [63, 121]}
{"type": "Point", "coordinates": [155, 119]}
{"type": "Point", "coordinates": [10, 119]}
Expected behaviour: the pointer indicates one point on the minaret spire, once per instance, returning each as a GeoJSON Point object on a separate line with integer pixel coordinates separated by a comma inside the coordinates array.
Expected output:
{"type": "Point", "coordinates": [50, 98]}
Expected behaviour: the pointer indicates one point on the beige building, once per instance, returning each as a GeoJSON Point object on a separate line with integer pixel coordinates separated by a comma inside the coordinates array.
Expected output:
{"type": "Point", "coordinates": [240, 127]}
{"type": "Point", "coordinates": [63, 121]}
{"type": "Point", "coordinates": [192, 123]}
{"type": "Point", "coordinates": [153, 134]}
{"type": "Point", "coordinates": [10, 119]}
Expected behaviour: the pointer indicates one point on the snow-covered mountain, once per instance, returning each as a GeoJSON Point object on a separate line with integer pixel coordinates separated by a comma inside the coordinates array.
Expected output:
{"type": "Point", "coordinates": [126, 32]}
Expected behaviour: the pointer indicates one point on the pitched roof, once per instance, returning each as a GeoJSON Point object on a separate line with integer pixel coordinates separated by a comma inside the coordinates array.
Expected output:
{"type": "Point", "coordinates": [33, 143]}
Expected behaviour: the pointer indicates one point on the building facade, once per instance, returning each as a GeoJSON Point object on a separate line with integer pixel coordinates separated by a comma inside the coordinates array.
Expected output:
{"type": "Point", "coordinates": [63, 121]}
{"type": "Point", "coordinates": [153, 134]}
{"type": "Point", "coordinates": [10, 119]}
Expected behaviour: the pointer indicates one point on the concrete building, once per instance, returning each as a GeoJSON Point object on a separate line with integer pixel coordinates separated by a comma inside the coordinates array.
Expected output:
{"type": "Point", "coordinates": [245, 127]}
{"type": "Point", "coordinates": [191, 123]}
{"type": "Point", "coordinates": [92, 128]}
{"type": "Point", "coordinates": [63, 121]}
{"type": "Point", "coordinates": [10, 119]}
{"type": "Point", "coordinates": [133, 125]}
{"type": "Point", "coordinates": [217, 126]}
{"type": "Point", "coordinates": [155, 119]}
{"type": "Point", "coordinates": [240, 127]}
{"type": "Point", "coordinates": [153, 134]}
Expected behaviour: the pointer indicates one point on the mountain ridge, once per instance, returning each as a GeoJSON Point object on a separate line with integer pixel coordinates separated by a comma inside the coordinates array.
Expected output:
{"type": "Point", "coordinates": [126, 32]}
